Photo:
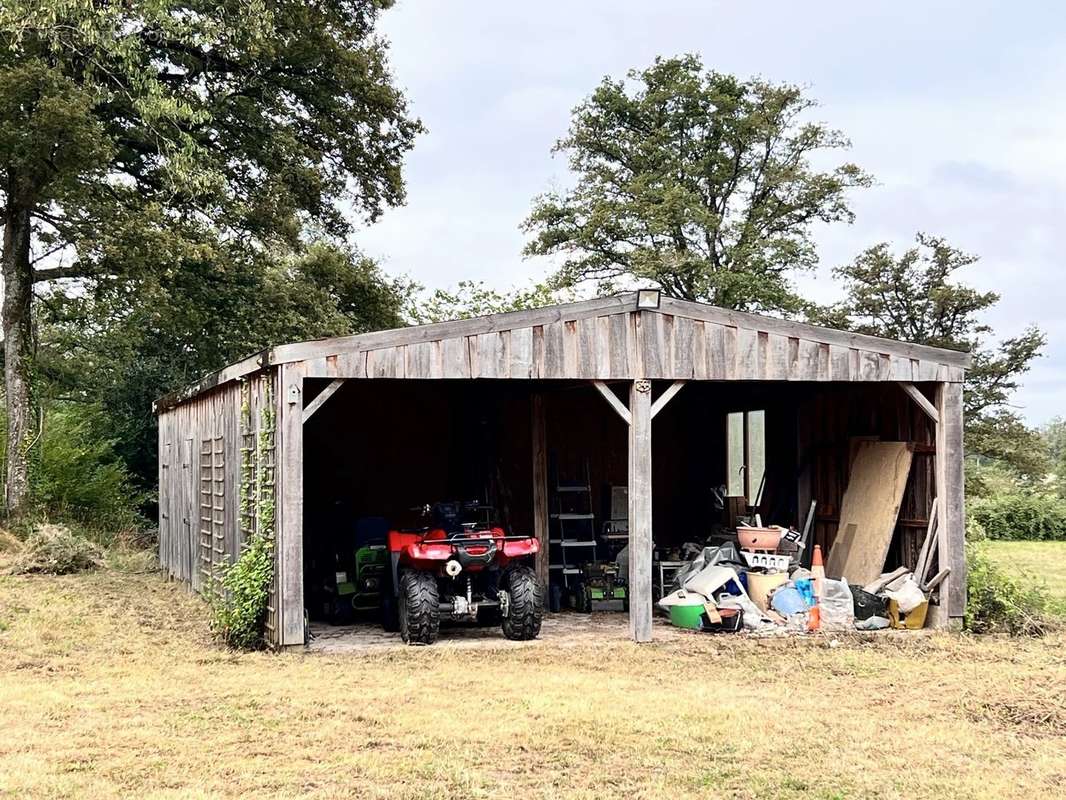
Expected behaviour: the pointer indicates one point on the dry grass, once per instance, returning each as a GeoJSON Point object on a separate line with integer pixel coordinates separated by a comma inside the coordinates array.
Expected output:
{"type": "Point", "coordinates": [110, 687]}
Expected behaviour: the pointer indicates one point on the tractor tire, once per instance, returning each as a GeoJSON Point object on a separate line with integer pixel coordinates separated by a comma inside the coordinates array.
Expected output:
{"type": "Point", "coordinates": [419, 607]}
{"type": "Point", "coordinates": [527, 603]}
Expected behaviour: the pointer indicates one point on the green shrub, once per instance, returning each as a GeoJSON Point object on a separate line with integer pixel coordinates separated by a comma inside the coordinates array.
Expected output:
{"type": "Point", "coordinates": [239, 600]}
{"type": "Point", "coordinates": [1021, 515]}
{"type": "Point", "coordinates": [55, 550]}
{"type": "Point", "coordinates": [1000, 603]}
{"type": "Point", "coordinates": [76, 476]}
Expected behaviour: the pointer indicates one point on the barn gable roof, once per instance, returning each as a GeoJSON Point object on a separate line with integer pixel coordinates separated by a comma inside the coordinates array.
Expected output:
{"type": "Point", "coordinates": [607, 338]}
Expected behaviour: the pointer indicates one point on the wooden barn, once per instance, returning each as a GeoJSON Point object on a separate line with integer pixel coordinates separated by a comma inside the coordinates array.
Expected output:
{"type": "Point", "coordinates": [509, 408]}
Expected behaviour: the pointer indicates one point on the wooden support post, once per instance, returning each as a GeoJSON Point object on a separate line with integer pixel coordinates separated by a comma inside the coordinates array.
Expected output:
{"type": "Point", "coordinates": [321, 398]}
{"type": "Point", "coordinates": [290, 505]}
{"type": "Point", "coordinates": [640, 496]}
{"type": "Point", "coordinates": [951, 520]}
{"type": "Point", "coordinates": [540, 487]}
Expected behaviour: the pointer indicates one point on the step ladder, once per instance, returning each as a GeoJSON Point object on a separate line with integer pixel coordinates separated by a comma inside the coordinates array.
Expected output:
{"type": "Point", "coordinates": [572, 529]}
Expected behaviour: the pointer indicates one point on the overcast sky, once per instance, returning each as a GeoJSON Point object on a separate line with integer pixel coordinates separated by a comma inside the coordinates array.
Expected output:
{"type": "Point", "coordinates": [957, 108]}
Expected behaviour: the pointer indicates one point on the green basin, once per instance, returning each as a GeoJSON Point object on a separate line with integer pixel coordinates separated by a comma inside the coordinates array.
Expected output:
{"type": "Point", "coordinates": [686, 616]}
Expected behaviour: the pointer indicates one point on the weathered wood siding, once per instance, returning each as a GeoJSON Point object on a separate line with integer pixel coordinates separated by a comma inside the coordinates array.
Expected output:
{"type": "Point", "coordinates": [200, 456]}
{"type": "Point", "coordinates": [829, 424]}
{"type": "Point", "coordinates": [624, 345]}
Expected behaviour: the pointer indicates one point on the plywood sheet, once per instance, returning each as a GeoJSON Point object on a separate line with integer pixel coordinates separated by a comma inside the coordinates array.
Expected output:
{"type": "Point", "coordinates": [869, 509]}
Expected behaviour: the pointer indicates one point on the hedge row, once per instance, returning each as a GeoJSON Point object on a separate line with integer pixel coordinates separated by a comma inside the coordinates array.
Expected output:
{"type": "Point", "coordinates": [1021, 515]}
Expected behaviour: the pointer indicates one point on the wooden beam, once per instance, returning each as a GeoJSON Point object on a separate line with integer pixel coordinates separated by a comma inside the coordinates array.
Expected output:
{"type": "Point", "coordinates": [614, 402]}
{"type": "Point", "coordinates": [925, 555]}
{"type": "Point", "coordinates": [951, 519]}
{"type": "Point", "coordinates": [540, 487]}
{"type": "Point", "coordinates": [640, 497]}
{"type": "Point", "coordinates": [666, 397]}
{"type": "Point", "coordinates": [922, 401]}
{"type": "Point", "coordinates": [290, 505]}
{"type": "Point", "coordinates": [860, 341]}
{"type": "Point", "coordinates": [435, 331]}
{"type": "Point", "coordinates": [321, 399]}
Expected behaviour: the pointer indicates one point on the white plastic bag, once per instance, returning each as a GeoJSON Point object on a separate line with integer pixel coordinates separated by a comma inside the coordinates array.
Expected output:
{"type": "Point", "coordinates": [837, 607]}
{"type": "Point", "coordinates": [909, 595]}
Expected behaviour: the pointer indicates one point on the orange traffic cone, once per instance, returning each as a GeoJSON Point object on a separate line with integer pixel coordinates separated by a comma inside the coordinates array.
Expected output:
{"type": "Point", "coordinates": [817, 571]}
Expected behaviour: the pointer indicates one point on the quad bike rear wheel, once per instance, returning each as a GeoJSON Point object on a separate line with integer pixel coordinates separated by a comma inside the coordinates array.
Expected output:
{"type": "Point", "coordinates": [527, 603]}
{"type": "Point", "coordinates": [419, 607]}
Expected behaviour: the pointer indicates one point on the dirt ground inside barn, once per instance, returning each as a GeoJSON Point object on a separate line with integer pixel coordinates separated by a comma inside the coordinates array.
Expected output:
{"type": "Point", "coordinates": [110, 686]}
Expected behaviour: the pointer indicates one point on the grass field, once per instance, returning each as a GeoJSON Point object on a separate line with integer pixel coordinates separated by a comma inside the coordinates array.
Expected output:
{"type": "Point", "coordinates": [110, 687]}
{"type": "Point", "coordinates": [1044, 561]}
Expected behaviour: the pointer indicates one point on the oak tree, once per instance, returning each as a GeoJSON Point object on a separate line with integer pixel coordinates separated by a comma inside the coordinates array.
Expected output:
{"type": "Point", "coordinates": [697, 182]}
{"type": "Point", "coordinates": [126, 128]}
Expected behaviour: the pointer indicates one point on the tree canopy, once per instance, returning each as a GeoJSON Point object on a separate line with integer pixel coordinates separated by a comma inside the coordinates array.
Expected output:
{"type": "Point", "coordinates": [697, 182]}
{"type": "Point", "coordinates": [133, 134]}
{"type": "Point", "coordinates": [915, 297]}
{"type": "Point", "coordinates": [126, 342]}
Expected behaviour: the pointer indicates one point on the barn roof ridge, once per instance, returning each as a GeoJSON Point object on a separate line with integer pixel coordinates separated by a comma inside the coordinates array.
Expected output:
{"type": "Point", "coordinates": [563, 312]}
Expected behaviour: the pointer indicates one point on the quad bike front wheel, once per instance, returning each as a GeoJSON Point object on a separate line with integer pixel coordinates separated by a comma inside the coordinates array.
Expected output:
{"type": "Point", "coordinates": [419, 607]}
{"type": "Point", "coordinates": [526, 607]}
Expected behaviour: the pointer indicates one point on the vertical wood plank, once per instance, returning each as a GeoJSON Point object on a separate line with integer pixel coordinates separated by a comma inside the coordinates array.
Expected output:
{"type": "Point", "coordinates": [351, 365]}
{"type": "Point", "coordinates": [570, 349]}
{"type": "Point", "coordinates": [951, 535]}
{"type": "Point", "coordinates": [776, 367]}
{"type": "Point", "coordinates": [586, 347]}
{"type": "Point", "coordinates": [683, 348]}
{"type": "Point", "coordinates": [635, 326]}
{"type": "Point", "coordinates": [540, 486]}
{"type": "Point", "coordinates": [730, 346]}
{"type": "Point", "coordinates": [436, 359]}
{"type": "Point", "coordinates": [603, 347]}
{"type": "Point", "coordinates": [747, 354]}
{"type": "Point", "coordinates": [807, 360]}
{"type": "Point", "coordinates": [539, 370]}
{"type": "Point", "coordinates": [640, 512]}
{"type": "Point", "coordinates": [823, 362]}
{"type": "Point", "coordinates": [700, 358]}
{"type": "Point", "coordinates": [290, 505]}
{"type": "Point", "coordinates": [554, 359]}
{"type": "Point", "coordinates": [620, 344]}
{"type": "Point", "coordinates": [417, 358]}
{"type": "Point", "coordinates": [521, 365]}
{"type": "Point", "coordinates": [870, 365]}
{"type": "Point", "coordinates": [455, 358]}
{"type": "Point", "coordinates": [473, 356]}
{"type": "Point", "coordinates": [651, 327]}
{"type": "Point", "coordinates": [489, 349]}
{"type": "Point", "coordinates": [839, 363]}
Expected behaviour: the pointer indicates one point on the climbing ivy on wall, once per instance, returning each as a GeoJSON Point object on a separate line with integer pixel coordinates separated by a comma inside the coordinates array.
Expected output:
{"type": "Point", "coordinates": [239, 607]}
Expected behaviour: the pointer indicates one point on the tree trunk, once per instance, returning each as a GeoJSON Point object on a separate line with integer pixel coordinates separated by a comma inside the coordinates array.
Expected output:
{"type": "Point", "coordinates": [17, 327]}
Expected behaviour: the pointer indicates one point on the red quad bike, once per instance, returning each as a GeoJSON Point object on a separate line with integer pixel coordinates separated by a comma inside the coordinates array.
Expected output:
{"type": "Point", "coordinates": [463, 571]}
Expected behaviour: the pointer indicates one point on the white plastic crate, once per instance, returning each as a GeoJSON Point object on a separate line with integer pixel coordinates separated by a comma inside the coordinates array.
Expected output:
{"type": "Point", "coordinates": [767, 560]}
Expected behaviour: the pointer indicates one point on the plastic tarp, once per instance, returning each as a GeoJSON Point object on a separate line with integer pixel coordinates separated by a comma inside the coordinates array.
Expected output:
{"type": "Point", "coordinates": [726, 554]}
{"type": "Point", "coordinates": [713, 579]}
